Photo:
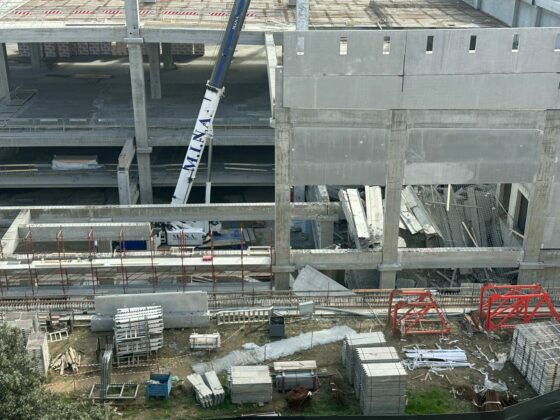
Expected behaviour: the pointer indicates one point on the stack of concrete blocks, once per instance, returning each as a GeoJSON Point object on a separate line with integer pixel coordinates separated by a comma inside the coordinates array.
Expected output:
{"type": "Point", "coordinates": [371, 355]}
{"type": "Point", "coordinates": [291, 375]}
{"type": "Point", "coordinates": [180, 310]}
{"type": "Point", "coordinates": [202, 392]}
{"type": "Point", "coordinates": [38, 350]}
{"type": "Point", "coordinates": [383, 389]}
{"type": "Point", "coordinates": [355, 341]}
{"type": "Point", "coordinates": [205, 341]}
{"type": "Point", "coordinates": [137, 333]}
{"type": "Point", "coordinates": [250, 384]}
{"type": "Point", "coordinates": [535, 352]}
{"type": "Point", "coordinates": [213, 382]}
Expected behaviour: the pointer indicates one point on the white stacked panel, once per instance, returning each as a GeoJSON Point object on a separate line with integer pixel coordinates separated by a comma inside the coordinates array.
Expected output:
{"type": "Point", "coordinates": [202, 393]}
{"type": "Point", "coordinates": [358, 340]}
{"type": "Point", "coordinates": [371, 355]}
{"type": "Point", "coordinates": [213, 382]}
{"type": "Point", "coordinates": [383, 388]}
{"type": "Point", "coordinates": [250, 384]}
{"type": "Point", "coordinates": [535, 351]}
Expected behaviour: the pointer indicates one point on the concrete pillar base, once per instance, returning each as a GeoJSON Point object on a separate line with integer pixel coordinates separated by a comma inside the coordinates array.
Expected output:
{"type": "Point", "coordinates": [282, 281]}
{"type": "Point", "coordinates": [36, 55]}
{"type": "Point", "coordinates": [388, 279]}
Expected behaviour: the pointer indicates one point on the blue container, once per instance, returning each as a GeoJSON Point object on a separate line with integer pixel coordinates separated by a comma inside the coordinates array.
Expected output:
{"type": "Point", "coordinates": [159, 385]}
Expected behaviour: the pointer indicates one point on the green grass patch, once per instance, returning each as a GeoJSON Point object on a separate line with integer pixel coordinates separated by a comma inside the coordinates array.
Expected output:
{"type": "Point", "coordinates": [432, 401]}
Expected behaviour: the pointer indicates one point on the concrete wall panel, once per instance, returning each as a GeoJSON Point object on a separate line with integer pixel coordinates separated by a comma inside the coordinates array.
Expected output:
{"type": "Point", "coordinates": [502, 9]}
{"type": "Point", "coordinates": [338, 156]}
{"type": "Point", "coordinates": [471, 156]}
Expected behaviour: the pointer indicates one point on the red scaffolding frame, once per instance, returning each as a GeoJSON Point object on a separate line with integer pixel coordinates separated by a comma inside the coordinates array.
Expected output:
{"type": "Point", "coordinates": [500, 304]}
{"type": "Point", "coordinates": [415, 312]}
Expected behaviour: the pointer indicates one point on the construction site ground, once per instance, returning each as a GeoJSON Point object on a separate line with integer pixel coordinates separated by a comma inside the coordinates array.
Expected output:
{"type": "Point", "coordinates": [426, 393]}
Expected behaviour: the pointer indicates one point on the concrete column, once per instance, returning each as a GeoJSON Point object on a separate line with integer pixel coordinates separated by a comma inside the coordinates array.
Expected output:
{"type": "Point", "coordinates": [4, 74]}
{"type": "Point", "coordinates": [283, 140]}
{"type": "Point", "coordinates": [136, 63]}
{"type": "Point", "coordinates": [323, 230]}
{"type": "Point", "coordinates": [515, 19]}
{"type": "Point", "coordinates": [35, 54]}
{"type": "Point", "coordinates": [155, 73]}
{"type": "Point", "coordinates": [167, 57]}
{"type": "Point", "coordinates": [128, 191]}
{"type": "Point", "coordinates": [302, 15]}
{"type": "Point", "coordinates": [531, 267]}
{"type": "Point", "coordinates": [393, 186]}
{"type": "Point", "coordinates": [538, 17]}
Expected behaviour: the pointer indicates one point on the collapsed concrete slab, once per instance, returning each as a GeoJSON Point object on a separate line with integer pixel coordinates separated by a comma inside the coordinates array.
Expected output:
{"type": "Point", "coordinates": [180, 309]}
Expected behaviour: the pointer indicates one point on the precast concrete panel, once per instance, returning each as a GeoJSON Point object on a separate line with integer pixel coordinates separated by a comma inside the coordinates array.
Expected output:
{"type": "Point", "coordinates": [367, 53]}
{"type": "Point", "coordinates": [458, 156]}
{"type": "Point", "coordinates": [448, 75]}
{"type": "Point", "coordinates": [501, 9]}
{"type": "Point", "coordinates": [552, 219]}
{"type": "Point", "coordinates": [339, 156]}
{"type": "Point", "coordinates": [549, 20]}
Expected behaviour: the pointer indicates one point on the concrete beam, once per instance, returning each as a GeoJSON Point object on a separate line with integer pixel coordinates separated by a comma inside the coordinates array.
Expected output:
{"type": "Point", "coordinates": [11, 238]}
{"type": "Point", "coordinates": [36, 55]}
{"type": "Point", "coordinates": [203, 36]}
{"type": "Point", "coordinates": [272, 62]}
{"type": "Point", "coordinates": [161, 212]}
{"type": "Point", "coordinates": [323, 228]}
{"type": "Point", "coordinates": [155, 70]}
{"type": "Point", "coordinates": [127, 155]}
{"type": "Point", "coordinates": [159, 137]}
{"type": "Point", "coordinates": [128, 189]}
{"type": "Point", "coordinates": [374, 213]}
{"type": "Point", "coordinates": [78, 232]}
{"type": "Point", "coordinates": [393, 186]}
{"type": "Point", "coordinates": [136, 63]}
{"type": "Point", "coordinates": [4, 74]}
{"type": "Point", "coordinates": [418, 258]}
{"type": "Point", "coordinates": [12, 32]}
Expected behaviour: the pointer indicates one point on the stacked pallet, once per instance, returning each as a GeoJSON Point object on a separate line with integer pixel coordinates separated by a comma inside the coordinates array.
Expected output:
{"type": "Point", "coordinates": [214, 384]}
{"type": "Point", "coordinates": [69, 360]}
{"type": "Point", "coordinates": [535, 352]}
{"type": "Point", "coordinates": [371, 355]}
{"type": "Point", "coordinates": [38, 350]}
{"type": "Point", "coordinates": [137, 332]}
{"type": "Point", "coordinates": [250, 384]}
{"type": "Point", "coordinates": [204, 341]}
{"type": "Point", "coordinates": [383, 388]}
{"type": "Point", "coordinates": [291, 375]}
{"type": "Point", "coordinates": [358, 340]}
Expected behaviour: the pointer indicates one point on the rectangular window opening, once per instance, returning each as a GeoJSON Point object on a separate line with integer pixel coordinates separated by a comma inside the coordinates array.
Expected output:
{"type": "Point", "coordinates": [343, 47]}
{"type": "Point", "coordinates": [515, 43]}
{"type": "Point", "coordinates": [300, 47]}
{"type": "Point", "coordinates": [557, 43]}
{"type": "Point", "coordinates": [472, 44]}
{"type": "Point", "coordinates": [430, 44]}
{"type": "Point", "coordinates": [387, 45]}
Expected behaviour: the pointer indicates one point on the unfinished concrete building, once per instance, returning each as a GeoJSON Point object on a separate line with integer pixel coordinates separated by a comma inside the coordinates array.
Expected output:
{"type": "Point", "coordinates": [457, 99]}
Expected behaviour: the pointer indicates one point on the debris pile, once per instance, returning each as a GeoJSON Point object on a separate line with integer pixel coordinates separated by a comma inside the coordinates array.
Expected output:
{"type": "Point", "coordinates": [205, 341]}
{"type": "Point", "coordinates": [292, 375]}
{"type": "Point", "coordinates": [535, 352]}
{"type": "Point", "coordinates": [70, 361]}
{"type": "Point", "coordinates": [250, 384]}
{"type": "Point", "coordinates": [436, 358]}
{"type": "Point", "coordinates": [298, 398]}
{"type": "Point", "coordinates": [372, 355]}
{"type": "Point", "coordinates": [486, 399]}
{"type": "Point", "coordinates": [358, 340]}
{"type": "Point", "coordinates": [383, 388]}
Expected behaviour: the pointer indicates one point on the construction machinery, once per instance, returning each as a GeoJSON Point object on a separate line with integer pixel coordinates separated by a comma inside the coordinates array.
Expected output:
{"type": "Point", "coordinates": [197, 232]}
